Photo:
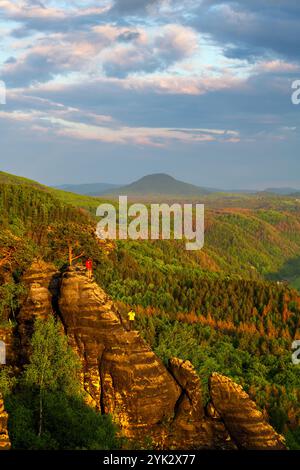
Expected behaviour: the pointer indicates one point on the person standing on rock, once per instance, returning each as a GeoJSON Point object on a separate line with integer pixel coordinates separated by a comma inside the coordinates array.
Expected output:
{"type": "Point", "coordinates": [131, 318]}
{"type": "Point", "coordinates": [89, 268]}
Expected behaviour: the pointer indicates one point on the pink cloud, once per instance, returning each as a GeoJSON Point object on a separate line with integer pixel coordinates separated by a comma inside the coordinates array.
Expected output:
{"type": "Point", "coordinates": [277, 66]}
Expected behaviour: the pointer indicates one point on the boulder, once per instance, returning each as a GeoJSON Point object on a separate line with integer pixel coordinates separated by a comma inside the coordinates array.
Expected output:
{"type": "Point", "coordinates": [243, 420]}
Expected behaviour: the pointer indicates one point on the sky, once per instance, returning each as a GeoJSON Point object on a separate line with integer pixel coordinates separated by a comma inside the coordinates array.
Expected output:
{"type": "Point", "coordinates": [112, 90]}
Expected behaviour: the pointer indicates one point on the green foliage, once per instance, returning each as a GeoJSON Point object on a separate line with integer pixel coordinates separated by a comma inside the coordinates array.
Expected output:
{"type": "Point", "coordinates": [7, 381]}
{"type": "Point", "coordinates": [34, 208]}
{"type": "Point", "coordinates": [35, 223]}
{"type": "Point", "coordinates": [293, 439]}
{"type": "Point", "coordinates": [46, 407]}
{"type": "Point", "coordinates": [290, 271]}
{"type": "Point", "coordinates": [212, 307]}
{"type": "Point", "coordinates": [6, 178]}
{"type": "Point", "coordinates": [69, 424]}
{"type": "Point", "coordinates": [261, 365]}
{"type": "Point", "coordinates": [80, 238]}
{"type": "Point", "coordinates": [53, 364]}
{"type": "Point", "coordinates": [10, 294]}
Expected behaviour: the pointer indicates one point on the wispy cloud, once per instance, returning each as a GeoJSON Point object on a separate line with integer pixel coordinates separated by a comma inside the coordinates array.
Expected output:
{"type": "Point", "coordinates": [151, 74]}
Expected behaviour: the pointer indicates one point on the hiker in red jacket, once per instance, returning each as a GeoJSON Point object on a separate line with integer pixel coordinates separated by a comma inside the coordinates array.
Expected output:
{"type": "Point", "coordinates": [89, 268]}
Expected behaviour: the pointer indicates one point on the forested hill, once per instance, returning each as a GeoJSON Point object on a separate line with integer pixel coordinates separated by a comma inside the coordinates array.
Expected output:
{"type": "Point", "coordinates": [35, 223]}
{"type": "Point", "coordinates": [258, 240]}
{"type": "Point", "coordinates": [160, 185]}
{"type": "Point", "coordinates": [7, 178]}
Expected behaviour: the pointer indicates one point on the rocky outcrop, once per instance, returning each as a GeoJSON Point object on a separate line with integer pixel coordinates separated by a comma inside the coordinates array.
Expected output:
{"type": "Point", "coordinates": [190, 405]}
{"type": "Point", "coordinates": [122, 375]}
{"type": "Point", "coordinates": [245, 423]}
{"type": "Point", "coordinates": [41, 283]}
{"type": "Point", "coordinates": [4, 438]}
{"type": "Point", "coordinates": [191, 425]}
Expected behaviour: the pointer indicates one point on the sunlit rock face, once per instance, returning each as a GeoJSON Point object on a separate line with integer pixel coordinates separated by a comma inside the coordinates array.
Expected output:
{"type": "Point", "coordinates": [121, 373]}
{"type": "Point", "coordinates": [124, 377]}
{"type": "Point", "coordinates": [41, 284]}
{"type": "Point", "coordinates": [245, 423]}
{"type": "Point", "coordinates": [157, 406]}
{"type": "Point", "coordinates": [4, 438]}
{"type": "Point", "coordinates": [192, 425]}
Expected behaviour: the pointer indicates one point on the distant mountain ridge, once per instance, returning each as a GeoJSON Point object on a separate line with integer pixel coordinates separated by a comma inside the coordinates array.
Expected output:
{"type": "Point", "coordinates": [164, 184]}
{"type": "Point", "coordinates": [161, 184]}
{"type": "Point", "coordinates": [283, 191]}
{"type": "Point", "coordinates": [154, 184]}
{"type": "Point", "coordinates": [88, 189]}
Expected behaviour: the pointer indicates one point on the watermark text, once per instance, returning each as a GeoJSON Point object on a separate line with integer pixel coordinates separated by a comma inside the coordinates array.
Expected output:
{"type": "Point", "coordinates": [296, 93]}
{"type": "Point", "coordinates": [164, 221]}
{"type": "Point", "coordinates": [2, 92]}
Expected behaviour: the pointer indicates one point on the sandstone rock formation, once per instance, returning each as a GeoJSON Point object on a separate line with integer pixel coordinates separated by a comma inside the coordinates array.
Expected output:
{"type": "Point", "coordinates": [191, 425]}
{"type": "Point", "coordinates": [41, 282]}
{"type": "Point", "coordinates": [245, 423]}
{"type": "Point", "coordinates": [121, 373]}
{"type": "Point", "coordinates": [123, 376]}
{"type": "Point", "coordinates": [191, 400]}
{"type": "Point", "coordinates": [4, 438]}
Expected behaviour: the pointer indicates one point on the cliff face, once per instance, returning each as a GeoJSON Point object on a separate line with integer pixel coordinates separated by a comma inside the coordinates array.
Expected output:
{"type": "Point", "coordinates": [4, 438]}
{"type": "Point", "coordinates": [41, 283]}
{"type": "Point", "coordinates": [124, 377]}
{"type": "Point", "coordinates": [121, 373]}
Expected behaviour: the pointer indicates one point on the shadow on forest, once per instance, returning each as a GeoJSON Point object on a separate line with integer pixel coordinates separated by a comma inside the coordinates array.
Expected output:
{"type": "Point", "coordinates": [289, 273]}
{"type": "Point", "coordinates": [68, 422]}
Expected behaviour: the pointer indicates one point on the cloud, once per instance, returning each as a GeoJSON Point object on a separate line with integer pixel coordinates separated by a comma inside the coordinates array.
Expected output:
{"type": "Point", "coordinates": [128, 36]}
{"type": "Point", "coordinates": [251, 104]}
{"type": "Point", "coordinates": [134, 6]}
{"type": "Point", "coordinates": [152, 8]}
{"type": "Point", "coordinates": [277, 67]}
{"type": "Point", "coordinates": [149, 50]}
{"type": "Point", "coordinates": [156, 137]}
{"type": "Point", "coordinates": [151, 74]}
{"type": "Point", "coordinates": [178, 85]}
{"type": "Point", "coordinates": [246, 28]}
{"type": "Point", "coordinates": [59, 125]}
{"type": "Point", "coordinates": [46, 16]}
{"type": "Point", "coordinates": [109, 49]}
{"type": "Point", "coordinates": [49, 117]}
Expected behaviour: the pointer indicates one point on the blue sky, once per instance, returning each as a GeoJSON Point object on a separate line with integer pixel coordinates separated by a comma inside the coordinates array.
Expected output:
{"type": "Point", "coordinates": [113, 90]}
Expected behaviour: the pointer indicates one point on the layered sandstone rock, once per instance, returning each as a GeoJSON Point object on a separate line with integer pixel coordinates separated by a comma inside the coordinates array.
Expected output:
{"type": "Point", "coordinates": [41, 283]}
{"type": "Point", "coordinates": [122, 375]}
{"type": "Point", "coordinates": [190, 405]}
{"type": "Point", "coordinates": [191, 425]}
{"type": "Point", "coordinates": [245, 423]}
{"type": "Point", "coordinates": [4, 438]}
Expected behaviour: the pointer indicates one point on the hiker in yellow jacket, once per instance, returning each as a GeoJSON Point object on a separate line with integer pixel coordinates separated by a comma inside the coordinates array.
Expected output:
{"type": "Point", "coordinates": [131, 318]}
